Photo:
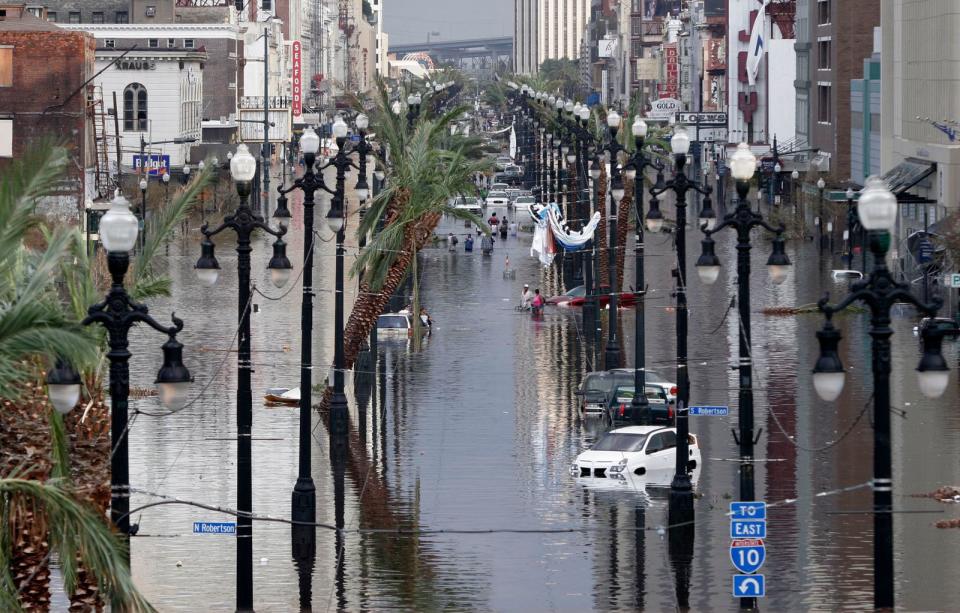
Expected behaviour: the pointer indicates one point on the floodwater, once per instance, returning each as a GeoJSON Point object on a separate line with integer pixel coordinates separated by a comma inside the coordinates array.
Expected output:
{"type": "Point", "coordinates": [476, 432]}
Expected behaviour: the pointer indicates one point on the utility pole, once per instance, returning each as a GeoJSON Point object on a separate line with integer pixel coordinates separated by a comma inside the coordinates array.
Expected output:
{"type": "Point", "coordinates": [265, 153]}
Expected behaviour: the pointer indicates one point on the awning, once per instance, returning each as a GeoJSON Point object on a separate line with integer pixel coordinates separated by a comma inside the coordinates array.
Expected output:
{"type": "Point", "coordinates": [907, 174]}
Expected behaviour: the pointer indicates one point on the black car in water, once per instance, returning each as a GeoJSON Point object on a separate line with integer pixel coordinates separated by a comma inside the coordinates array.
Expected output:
{"type": "Point", "coordinates": [620, 406]}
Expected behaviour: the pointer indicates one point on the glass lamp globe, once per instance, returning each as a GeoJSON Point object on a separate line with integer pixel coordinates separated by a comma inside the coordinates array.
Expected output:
{"type": "Point", "coordinates": [63, 387]}
{"type": "Point", "coordinates": [186, 170]}
{"type": "Point", "coordinates": [362, 121]}
{"type": "Point", "coordinates": [243, 166]}
{"type": "Point", "coordinates": [877, 206]}
{"type": "Point", "coordinates": [584, 113]}
{"type": "Point", "coordinates": [166, 177]}
{"type": "Point", "coordinates": [821, 183]}
{"type": "Point", "coordinates": [680, 141]}
{"type": "Point", "coordinates": [743, 163]}
{"type": "Point", "coordinates": [216, 161]}
{"type": "Point", "coordinates": [568, 107]}
{"type": "Point", "coordinates": [639, 127]}
{"type": "Point", "coordinates": [201, 165]}
{"type": "Point", "coordinates": [778, 263]}
{"type": "Point", "coordinates": [828, 374]}
{"type": "Point", "coordinates": [279, 265]}
{"type": "Point", "coordinates": [143, 185]}
{"type": "Point", "coordinates": [339, 128]}
{"type": "Point", "coordinates": [310, 141]}
{"type": "Point", "coordinates": [613, 120]}
{"type": "Point", "coordinates": [708, 264]}
{"type": "Point", "coordinates": [630, 172]}
{"type": "Point", "coordinates": [173, 378]}
{"type": "Point", "coordinates": [850, 193]}
{"type": "Point", "coordinates": [411, 100]}
{"type": "Point", "coordinates": [777, 168]}
{"type": "Point", "coordinates": [119, 227]}
{"type": "Point", "coordinates": [933, 374]}
{"type": "Point", "coordinates": [795, 175]}
{"type": "Point", "coordinates": [207, 267]}
{"type": "Point", "coordinates": [396, 107]}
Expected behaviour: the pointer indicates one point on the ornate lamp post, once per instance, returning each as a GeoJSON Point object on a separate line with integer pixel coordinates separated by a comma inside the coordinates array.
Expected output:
{"type": "Point", "coordinates": [117, 314]}
{"type": "Point", "coordinates": [821, 185]}
{"type": "Point", "coordinates": [244, 221]}
{"type": "Point", "coordinates": [681, 487]}
{"type": "Point", "coordinates": [877, 210]}
{"type": "Point", "coordinates": [743, 220]}
{"type": "Point", "coordinates": [413, 108]}
{"type": "Point", "coordinates": [611, 357]}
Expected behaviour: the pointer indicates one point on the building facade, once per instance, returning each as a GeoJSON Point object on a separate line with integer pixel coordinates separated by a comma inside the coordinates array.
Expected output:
{"type": "Point", "coordinates": [560, 24]}
{"type": "Point", "coordinates": [525, 58]}
{"type": "Point", "coordinates": [44, 96]}
{"type": "Point", "coordinates": [865, 96]}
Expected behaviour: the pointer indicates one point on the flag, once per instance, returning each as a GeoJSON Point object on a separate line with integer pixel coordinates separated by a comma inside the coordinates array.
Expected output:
{"type": "Point", "coordinates": [513, 143]}
{"type": "Point", "coordinates": [758, 44]}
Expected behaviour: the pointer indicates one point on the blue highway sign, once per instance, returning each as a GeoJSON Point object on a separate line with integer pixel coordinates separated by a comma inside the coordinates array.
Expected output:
{"type": "Point", "coordinates": [748, 528]}
{"type": "Point", "coordinates": [212, 527]}
{"type": "Point", "coordinates": [748, 510]}
{"type": "Point", "coordinates": [747, 555]}
{"type": "Point", "coordinates": [716, 411]}
{"type": "Point", "coordinates": [749, 586]}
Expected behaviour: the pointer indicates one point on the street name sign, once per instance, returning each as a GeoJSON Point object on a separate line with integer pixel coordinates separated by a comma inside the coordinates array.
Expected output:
{"type": "Point", "coordinates": [212, 527]}
{"type": "Point", "coordinates": [953, 279]}
{"type": "Point", "coordinates": [747, 555]}
{"type": "Point", "coordinates": [714, 411]}
{"type": "Point", "coordinates": [749, 586]}
{"type": "Point", "coordinates": [748, 528]}
{"type": "Point", "coordinates": [706, 119]}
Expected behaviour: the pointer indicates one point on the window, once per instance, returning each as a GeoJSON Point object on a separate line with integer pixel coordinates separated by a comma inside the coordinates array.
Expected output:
{"type": "Point", "coordinates": [110, 43]}
{"type": "Point", "coordinates": [824, 103]}
{"type": "Point", "coordinates": [122, 17]}
{"type": "Point", "coordinates": [135, 108]}
{"type": "Point", "coordinates": [36, 11]}
{"type": "Point", "coordinates": [824, 51]}
{"type": "Point", "coordinates": [74, 17]}
{"type": "Point", "coordinates": [188, 43]}
{"type": "Point", "coordinates": [6, 138]}
{"type": "Point", "coordinates": [823, 12]}
{"type": "Point", "coordinates": [98, 17]}
{"type": "Point", "coordinates": [153, 43]}
{"type": "Point", "coordinates": [52, 16]}
{"type": "Point", "coordinates": [6, 66]}
{"type": "Point", "coordinates": [171, 43]}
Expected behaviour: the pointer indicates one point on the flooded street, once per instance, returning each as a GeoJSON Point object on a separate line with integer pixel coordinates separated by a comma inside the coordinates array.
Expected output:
{"type": "Point", "coordinates": [476, 432]}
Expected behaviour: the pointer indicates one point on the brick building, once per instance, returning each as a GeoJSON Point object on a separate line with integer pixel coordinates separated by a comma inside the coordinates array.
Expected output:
{"type": "Point", "coordinates": [44, 95]}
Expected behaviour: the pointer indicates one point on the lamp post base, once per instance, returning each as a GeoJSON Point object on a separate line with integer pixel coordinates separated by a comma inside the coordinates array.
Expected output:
{"type": "Point", "coordinates": [611, 356]}
{"type": "Point", "coordinates": [304, 501]}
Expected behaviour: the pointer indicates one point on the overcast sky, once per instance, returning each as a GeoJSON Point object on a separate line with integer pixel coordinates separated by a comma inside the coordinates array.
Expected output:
{"type": "Point", "coordinates": [408, 21]}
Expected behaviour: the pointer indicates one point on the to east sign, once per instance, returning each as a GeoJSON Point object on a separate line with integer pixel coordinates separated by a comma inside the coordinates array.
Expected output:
{"type": "Point", "coordinates": [748, 528]}
{"type": "Point", "coordinates": [206, 527]}
{"type": "Point", "coordinates": [748, 510]}
{"type": "Point", "coordinates": [747, 555]}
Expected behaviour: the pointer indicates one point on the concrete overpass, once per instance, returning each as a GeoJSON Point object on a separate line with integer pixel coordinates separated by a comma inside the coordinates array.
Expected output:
{"type": "Point", "coordinates": [479, 49]}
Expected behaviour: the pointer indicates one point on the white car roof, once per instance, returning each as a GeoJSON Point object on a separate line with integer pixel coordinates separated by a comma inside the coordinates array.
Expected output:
{"type": "Point", "coordinates": [639, 429]}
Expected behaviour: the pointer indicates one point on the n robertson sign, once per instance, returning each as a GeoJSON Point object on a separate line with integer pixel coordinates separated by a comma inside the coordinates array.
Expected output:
{"type": "Point", "coordinates": [297, 103]}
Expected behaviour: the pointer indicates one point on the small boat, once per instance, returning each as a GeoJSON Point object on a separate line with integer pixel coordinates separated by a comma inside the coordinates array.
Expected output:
{"type": "Point", "coordinates": [282, 396]}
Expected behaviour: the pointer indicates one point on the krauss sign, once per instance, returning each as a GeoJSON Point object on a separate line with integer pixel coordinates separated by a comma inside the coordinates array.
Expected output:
{"type": "Point", "coordinates": [297, 103]}
{"type": "Point", "coordinates": [136, 65]}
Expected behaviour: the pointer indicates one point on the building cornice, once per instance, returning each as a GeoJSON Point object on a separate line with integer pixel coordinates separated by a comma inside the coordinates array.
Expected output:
{"type": "Point", "coordinates": [163, 55]}
{"type": "Point", "coordinates": [177, 30]}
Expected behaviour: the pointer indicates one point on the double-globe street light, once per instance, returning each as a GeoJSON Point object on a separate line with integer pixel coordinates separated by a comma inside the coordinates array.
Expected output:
{"type": "Point", "coordinates": [244, 221]}
{"type": "Point", "coordinates": [877, 209]}
{"type": "Point", "coordinates": [611, 354]}
{"type": "Point", "coordinates": [743, 220]}
{"type": "Point", "coordinates": [118, 313]}
{"type": "Point", "coordinates": [681, 494]}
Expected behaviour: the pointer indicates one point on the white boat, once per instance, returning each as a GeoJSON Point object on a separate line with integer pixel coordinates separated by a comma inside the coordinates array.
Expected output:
{"type": "Point", "coordinates": [282, 395]}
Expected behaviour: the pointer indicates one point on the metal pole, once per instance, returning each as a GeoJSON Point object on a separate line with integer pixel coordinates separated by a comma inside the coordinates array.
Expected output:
{"type": "Point", "coordinates": [304, 492]}
{"type": "Point", "coordinates": [266, 118]}
{"type": "Point", "coordinates": [681, 487]}
{"type": "Point", "coordinates": [119, 356]}
{"type": "Point", "coordinates": [143, 195]}
{"type": "Point", "coordinates": [883, 577]}
{"type": "Point", "coordinates": [244, 428]}
{"type": "Point", "coordinates": [611, 357]}
{"type": "Point", "coordinates": [641, 406]}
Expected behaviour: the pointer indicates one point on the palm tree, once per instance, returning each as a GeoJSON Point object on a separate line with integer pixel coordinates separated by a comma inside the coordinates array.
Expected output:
{"type": "Point", "coordinates": [50, 501]}
{"type": "Point", "coordinates": [428, 166]}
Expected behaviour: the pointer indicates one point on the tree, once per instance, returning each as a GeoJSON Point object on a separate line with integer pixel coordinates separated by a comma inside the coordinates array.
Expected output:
{"type": "Point", "coordinates": [561, 75]}
{"type": "Point", "coordinates": [428, 166]}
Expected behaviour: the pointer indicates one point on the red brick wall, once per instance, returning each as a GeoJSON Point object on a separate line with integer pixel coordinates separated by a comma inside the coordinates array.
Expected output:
{"type": "Point", "coordinates": [47, 100]}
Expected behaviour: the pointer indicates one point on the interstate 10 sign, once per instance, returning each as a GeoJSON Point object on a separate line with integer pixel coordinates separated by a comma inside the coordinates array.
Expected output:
{"type": "Point", "coordinates": [747, 555]}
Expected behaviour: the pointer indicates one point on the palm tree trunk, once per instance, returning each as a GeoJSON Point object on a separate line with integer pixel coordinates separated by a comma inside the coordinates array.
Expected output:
{"type": "Point", "coordinates": [601, 232]}
{"type": "Point", "coordinates": [623, 222]}
{"type": "Point", "coordinates": [369, 304]}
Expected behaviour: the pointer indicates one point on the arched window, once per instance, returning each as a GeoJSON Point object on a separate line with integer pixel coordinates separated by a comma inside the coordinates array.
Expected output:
{"type": "Point", "coordinates": [135, 108]}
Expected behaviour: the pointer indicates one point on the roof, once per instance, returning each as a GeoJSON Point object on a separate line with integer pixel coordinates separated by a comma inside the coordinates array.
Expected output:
{"type": "Point", "coordinates": [639, 429]}
{"type": "Point", "coordinates": [19, 20]}
{"type": "Point", "coordinates": [907, 174]}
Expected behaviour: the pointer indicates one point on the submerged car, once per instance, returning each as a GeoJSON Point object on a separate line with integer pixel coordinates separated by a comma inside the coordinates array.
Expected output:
{"type": "Point", "coordinates": [578, 295]}
{"type": "Point", "coordinates": [394, 325]}
{"type": "Point", "coordinates": [620, 409]}
{"type": "Point", "coordinates": [524, 203]}
{"type": "Point", "coordinates": [645, 451]}
{"type": "Point", "coordinates": [469, 203]}
{"type": "Point", "coordinates": [497, 199]}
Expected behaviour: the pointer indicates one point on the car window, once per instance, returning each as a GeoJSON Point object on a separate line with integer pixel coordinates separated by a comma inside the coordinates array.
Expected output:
{"type": "Point", "coordinates": [655, 444]}
{"type": "Point", "coordinates": [578, 292]}
{"type": "Point", "coordinates": [624, 393]}
{"type": "Point", "coordinates": [594, 382]}
{"type": "Point", "coordinates": [392, 321]}
{"type": "Point", "coordinates": [620, 441]}
{"type": "Point", "coordinates": [496, 195]}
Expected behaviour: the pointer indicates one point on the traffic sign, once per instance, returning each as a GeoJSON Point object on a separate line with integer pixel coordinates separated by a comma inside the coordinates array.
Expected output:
{"type": "Point", "coordinates": [212, 527]}
{"type": "Point", "coordinates": [706, 119]}
{"type": "Point", "coordinates": [715, 411]}
{"type": "Point", "coordinates": [953, 279]}
{"type": "Point", "coordinates": [926, 251]}
{"type": "Point", "coordinates": [748, 528]}
{"type": "Point", "coordinates": [748, 510]}
{"type": "Point", "coordinates": [749, 586]}
{"type": "Point", "coordinates": [747, 555]}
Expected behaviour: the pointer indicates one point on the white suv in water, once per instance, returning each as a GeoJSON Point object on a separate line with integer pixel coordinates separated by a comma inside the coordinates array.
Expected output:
{"type": "Point", "coordinates": [649, 452]}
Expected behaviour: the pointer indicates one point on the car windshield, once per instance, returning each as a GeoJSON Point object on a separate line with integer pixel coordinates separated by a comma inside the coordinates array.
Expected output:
{"type": "Point", "coordinates": [625, 392]}
{"type": "Point", "coordinates": [578, 292]}
{"type": "Point", "coordinates": [496, 195]}
{"type": "Point", "coordinates": [620, 441]}
{"type": "Point", "coordinates": [524, 199]}
{"type": "Point", "coordinates": [392, 321]}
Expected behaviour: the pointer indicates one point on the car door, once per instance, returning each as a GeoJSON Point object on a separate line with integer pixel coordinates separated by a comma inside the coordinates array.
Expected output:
{"type": "Point", "coordinates": [660, 456]}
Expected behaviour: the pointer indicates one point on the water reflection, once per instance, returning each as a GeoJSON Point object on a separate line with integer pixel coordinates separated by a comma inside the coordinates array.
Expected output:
{"type": "Point", "coordinates": [479, 428]}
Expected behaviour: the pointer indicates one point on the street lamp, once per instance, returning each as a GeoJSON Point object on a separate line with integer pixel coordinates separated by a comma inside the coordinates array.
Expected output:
{"type": "Point", "coordinates": [743, 220]}
{"type": "Point", "coordinates": [143, 209]}
{"type": "Point", "coordinates": [879, 292]}
{"type": "Point", "coordinates": [118, 313]}
{"type": "Point", "coordinates": [635, 168]}
{"type": "Point", "coordinates": [681, 488]}
{"type": "Point", "coordinates": [611, 358]}
{"type": "Point", "coordinates": [244, 222]}
{"type": "Point", "coordinates": [304, 492]}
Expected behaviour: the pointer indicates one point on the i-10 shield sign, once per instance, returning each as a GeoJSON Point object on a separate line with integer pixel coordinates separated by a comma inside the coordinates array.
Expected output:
{"type": "Point", "coordinates": [747, 555]}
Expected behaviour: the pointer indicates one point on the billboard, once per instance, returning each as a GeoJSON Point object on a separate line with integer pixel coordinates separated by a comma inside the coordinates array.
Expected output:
{"type": "Point", "coordinates": [296, 105]}
{"type": "Point", "coordinates": [670, 88]}
{"type": "Point", "coordinates": [656, 9]}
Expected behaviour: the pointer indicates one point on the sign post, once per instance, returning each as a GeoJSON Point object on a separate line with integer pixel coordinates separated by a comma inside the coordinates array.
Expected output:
{"type": "Point", "coordinates": [748, 528]}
